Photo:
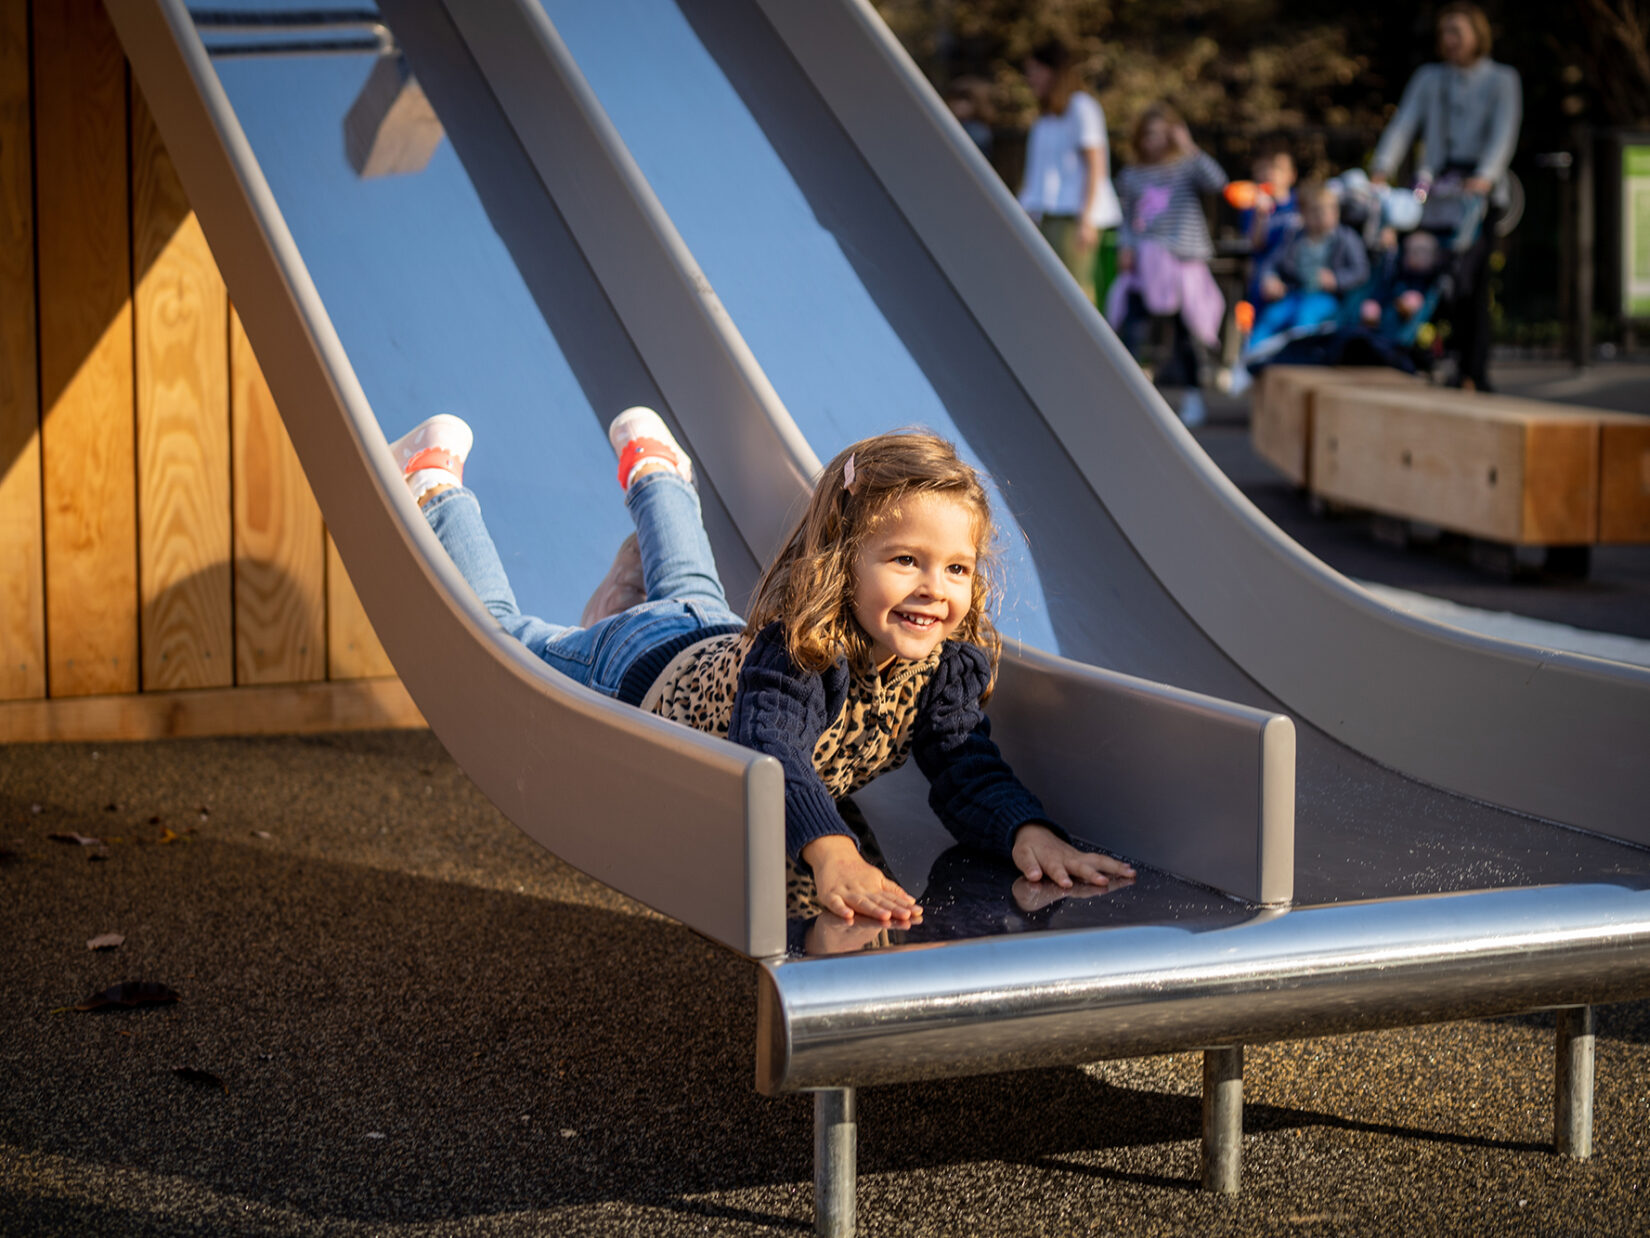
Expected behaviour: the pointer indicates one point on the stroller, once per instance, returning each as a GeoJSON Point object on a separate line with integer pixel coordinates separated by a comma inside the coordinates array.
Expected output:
{"type": "Point", "coordinates": [1417, 239]}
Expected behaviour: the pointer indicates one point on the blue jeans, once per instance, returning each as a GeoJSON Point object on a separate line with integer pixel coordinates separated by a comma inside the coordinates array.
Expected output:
{"type": "Point", "coordinates": [684, 593]}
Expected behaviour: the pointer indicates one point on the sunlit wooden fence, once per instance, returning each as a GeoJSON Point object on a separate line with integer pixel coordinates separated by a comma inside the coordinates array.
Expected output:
{"type": "Point", "coordinates": [163, 565]}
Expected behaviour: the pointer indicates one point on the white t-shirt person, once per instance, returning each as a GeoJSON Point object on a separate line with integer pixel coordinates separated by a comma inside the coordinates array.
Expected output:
{"type": "Point", "coordinates": [1056, 172]}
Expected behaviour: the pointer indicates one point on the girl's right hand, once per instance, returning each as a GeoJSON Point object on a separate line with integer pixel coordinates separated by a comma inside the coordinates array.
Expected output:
{"type": "Point", "coordinates": [848, 885]}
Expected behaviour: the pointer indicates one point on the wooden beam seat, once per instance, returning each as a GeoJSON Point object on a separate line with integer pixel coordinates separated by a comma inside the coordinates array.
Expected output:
{"type": "Point", "coordinates": [1511, 471]}
{"type": "Point", "coordinates": [1280, 417]}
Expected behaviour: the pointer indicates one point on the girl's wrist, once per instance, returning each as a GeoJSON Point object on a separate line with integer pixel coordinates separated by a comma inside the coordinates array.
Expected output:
{"type": "Point", "coordinates": [829, 847]}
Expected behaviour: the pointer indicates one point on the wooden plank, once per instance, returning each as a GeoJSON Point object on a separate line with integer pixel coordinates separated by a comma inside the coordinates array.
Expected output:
{"type": "Point", "coordinates": [1280, 415]}
{"type": "Point", "coordinates": [353, 648]}
{"type": "Point", "coordinates": [22, 582]}
{"type": "Point", "coordinates": [85, 325]}
{"type": "Point", "coordinates": [287, 709]}
{"type": "Point", "coordinates": [1560, 483]}
{"type": "Point", "coordinates": [1624, 479]}
{"type": "Point", "coordinates": [1512, 471]}
{"type": "Point", "coordinates": [280, 549]}
{"type": "Point", "coordinates": [181, 338]}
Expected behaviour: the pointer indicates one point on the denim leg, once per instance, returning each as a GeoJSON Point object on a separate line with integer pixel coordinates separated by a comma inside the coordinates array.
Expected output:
{"type": "Point", "coordinates": [455, 516]}
{"type": "Point", "coordinates": [677, 561]}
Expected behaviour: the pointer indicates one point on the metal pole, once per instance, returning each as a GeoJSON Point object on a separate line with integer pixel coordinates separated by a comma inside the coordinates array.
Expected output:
{"type": "Point", "coordinates": [1573, 1084]}
{"type": "Point", "coordinates": [1223, 1119]}
{"type": "Point", "coordinates": [836, 1138]}
{"type": "Point", "coordinates": [1582, 302]}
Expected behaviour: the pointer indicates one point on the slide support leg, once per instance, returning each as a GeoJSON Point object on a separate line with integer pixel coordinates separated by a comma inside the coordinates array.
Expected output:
{"type": "Point", "coordinates": [1573, 1084]}
{"type": "Point", "coordinates": [836, 1137]}
{"type": "Point", "coordinates": [1223, 1119]}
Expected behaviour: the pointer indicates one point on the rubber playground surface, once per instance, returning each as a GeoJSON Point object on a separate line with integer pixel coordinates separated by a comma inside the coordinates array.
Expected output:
{"type": "Point", "coordinates": [406, 1018]}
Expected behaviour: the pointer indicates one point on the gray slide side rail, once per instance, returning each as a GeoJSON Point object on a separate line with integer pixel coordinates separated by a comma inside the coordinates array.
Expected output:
{"type": "Point", "coordinates": [559, 760]}
{"type": "Point", "coordinates": [1550, 734]}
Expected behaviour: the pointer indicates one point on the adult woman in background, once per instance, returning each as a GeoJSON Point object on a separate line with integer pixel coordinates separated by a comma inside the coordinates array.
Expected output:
{"type": "Point", "coordinates": [1067, 187]}
{"type": "Point", "coordinates": [1467, 109]}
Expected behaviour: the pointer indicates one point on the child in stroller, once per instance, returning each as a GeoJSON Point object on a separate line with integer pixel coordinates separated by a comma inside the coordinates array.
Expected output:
{"type": "Point", "coordinates": [1412, 241]}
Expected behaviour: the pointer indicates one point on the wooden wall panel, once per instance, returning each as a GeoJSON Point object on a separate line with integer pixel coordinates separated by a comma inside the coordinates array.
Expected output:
{"type": "Point", "coordinates": [22, 587]}
{"type": "Point", "coordinates": [353, 649]}
{"type": "Point", "coordinates": [181, 342]}
{"type": "Point", "coordinates": [85, 330]}
{"type": "Point", "coordinates": [280, 549]}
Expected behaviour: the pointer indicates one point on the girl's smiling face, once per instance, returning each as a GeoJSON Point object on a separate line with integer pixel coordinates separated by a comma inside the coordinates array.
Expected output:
{"type": "Point", "coordinates": [914, 577]}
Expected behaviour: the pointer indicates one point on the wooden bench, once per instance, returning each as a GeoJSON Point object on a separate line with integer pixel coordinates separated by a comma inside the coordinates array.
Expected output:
{"type": "Point", "coordinates": [1511, 473]}
{"type": "Point", "coordinates": [1280, 418]}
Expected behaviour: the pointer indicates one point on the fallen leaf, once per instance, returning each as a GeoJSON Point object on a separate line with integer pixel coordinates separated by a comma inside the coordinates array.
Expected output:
{"type": "Point", "coordinates": [79, 840]}
{"type": "Point", "coordinates": [167, 835]}
{"type": "Point", "coordinates": [37, 809]}
{"type": "Point", "coordinates": [262, 834]}
{"type": "Point", "coordinates": [105, 941]}
{"type": "Point", "coordinates": [129, 993]}
{"type": "Point", "coordinates": [154, 820]}
{"type": "Point", "coordinates": [203, 1078]}
{"type": "Point", "coordinates": [111, 808]}
{"type": "Point", "coordinates": [204, 811]}
{"type": "Point", "coordinates": [97, 855]}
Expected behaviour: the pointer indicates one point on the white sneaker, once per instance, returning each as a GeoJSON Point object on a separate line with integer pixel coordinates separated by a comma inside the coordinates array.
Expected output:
{"type": "Point", "coordinates": [620, 589]}
{"type": "Point", "coordinates": [1192, 411]}
{"type": "Point", "coordinates": [433, 452]}
{"type": "Point", "coordinates": [639, 434]}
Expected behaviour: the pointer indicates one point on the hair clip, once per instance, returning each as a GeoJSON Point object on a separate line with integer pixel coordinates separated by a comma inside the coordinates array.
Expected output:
{"type": "Point", "coordinates": [848, 474]}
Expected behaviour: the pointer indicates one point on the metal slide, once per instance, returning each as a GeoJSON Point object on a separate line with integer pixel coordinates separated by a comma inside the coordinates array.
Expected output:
{"type": "Point", "coordinates": [754, 215]}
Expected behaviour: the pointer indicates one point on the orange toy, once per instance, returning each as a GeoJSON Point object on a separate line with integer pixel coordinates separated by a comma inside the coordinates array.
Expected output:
{"type": "Point", "coordinates": [1241, 195]}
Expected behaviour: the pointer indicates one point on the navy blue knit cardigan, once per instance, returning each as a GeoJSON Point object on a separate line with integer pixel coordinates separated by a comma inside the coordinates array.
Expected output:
{"type": "Point", "coordinates": [782, 710]}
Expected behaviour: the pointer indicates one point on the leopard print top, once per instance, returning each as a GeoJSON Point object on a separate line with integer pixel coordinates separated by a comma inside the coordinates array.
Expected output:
{"type": "Point", "coordinates": [870, 737]}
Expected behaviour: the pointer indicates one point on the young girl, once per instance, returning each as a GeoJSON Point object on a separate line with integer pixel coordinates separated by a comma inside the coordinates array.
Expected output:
{"type": "Point", "coordinates": [868, 641]}
{"type": "Point", "coordinates": [1164, 251]}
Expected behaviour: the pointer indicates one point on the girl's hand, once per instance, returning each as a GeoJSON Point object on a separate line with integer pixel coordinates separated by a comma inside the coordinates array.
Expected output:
{"type": "Point", "coordinates": [1182, 138]}
{"type": "Point", "coordinates": [1039, 852]}
{"type": "Point", "coordinates": [1326, 280]}
{"type": "Point", "coordinates": [849, 885]}
{"type": "Point", "coordinates": [1272, 288]}
{"type": "Point", "coordinates": [833, 935]}
{"type": "Point", "coordinates": [1088, 236]}
{"type": "Point", "coordinates": [1125, 260]}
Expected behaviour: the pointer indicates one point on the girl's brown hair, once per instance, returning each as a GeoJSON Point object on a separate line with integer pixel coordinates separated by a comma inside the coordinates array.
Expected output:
{"type": "Point", "coordinates": [1156, 112]}
{"type": "Point", "coordinates": [809, 587]}
{"type": "Point", "coordinates": [1057, 57]}
{"type": "Point", "coordinates": [1476, 18]}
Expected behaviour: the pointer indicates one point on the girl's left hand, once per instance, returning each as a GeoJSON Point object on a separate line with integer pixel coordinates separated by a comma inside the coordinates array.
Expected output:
{"type": "Point", "coordinates": [1183, 140]}
{"type": "Point", "coordinates": [1039, 852]}
{"type": "Point", "coordinates": [1088, 236]}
